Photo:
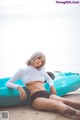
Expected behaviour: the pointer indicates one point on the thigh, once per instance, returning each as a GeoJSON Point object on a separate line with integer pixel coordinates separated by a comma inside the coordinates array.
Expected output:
{"type": "Point", "coordinates": [72, 103]}
{"type": "Point", "coordinates": [48, 104]}
{"type": "Point", "coordinates": [57, 98]}
{"type": "Point", "coordinates": [64, 100]}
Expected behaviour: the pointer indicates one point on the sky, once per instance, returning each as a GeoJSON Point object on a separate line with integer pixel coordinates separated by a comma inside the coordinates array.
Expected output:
{"type": "Point", "coordinates": [27, 26]}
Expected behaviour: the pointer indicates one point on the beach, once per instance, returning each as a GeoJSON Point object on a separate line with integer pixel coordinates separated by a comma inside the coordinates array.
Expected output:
{"type": "Point", "coordinates": [27, 26]}
{"type": "Point", "coordinates": [27, 113]}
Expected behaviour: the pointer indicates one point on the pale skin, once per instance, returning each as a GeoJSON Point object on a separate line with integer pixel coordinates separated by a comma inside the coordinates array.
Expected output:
{"type": "Point", "coordinates": [54, 103]}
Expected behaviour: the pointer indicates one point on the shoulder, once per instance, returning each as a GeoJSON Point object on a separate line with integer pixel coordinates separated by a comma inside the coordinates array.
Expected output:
{"type": "Point", "coordinates": [27, 69]}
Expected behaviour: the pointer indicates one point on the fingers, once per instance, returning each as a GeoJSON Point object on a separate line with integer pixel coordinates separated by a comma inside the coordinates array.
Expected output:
{"type": "Point", "coordinates": [23, 96]}
{"type": "Point", "coordinates": [22, 93]}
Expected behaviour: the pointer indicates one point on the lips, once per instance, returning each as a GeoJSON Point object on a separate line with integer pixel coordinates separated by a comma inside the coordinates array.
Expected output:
{"type": "Point", "coordinates": [37, 63]}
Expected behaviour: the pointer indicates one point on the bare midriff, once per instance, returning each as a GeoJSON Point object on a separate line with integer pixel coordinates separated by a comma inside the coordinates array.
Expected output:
{"type": "Point", "coordinates": [35, 86]}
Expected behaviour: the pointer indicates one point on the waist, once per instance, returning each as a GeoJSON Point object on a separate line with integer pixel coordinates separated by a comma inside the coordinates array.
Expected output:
{"type": "Point", "coordinates": [36, 90]}
{"type": "Point", "coordinates": [35, 86]}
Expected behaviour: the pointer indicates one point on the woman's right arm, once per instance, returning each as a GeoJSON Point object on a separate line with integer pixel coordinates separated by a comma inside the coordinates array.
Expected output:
{"type": "Point", "coordinates": [10, 83]}
{"type": "Point", "coordinates": [22, 93]}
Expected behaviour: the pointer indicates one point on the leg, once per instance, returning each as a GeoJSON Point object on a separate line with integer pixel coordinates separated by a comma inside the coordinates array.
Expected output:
{"type": "Point", "coordinates": [72, 103]}
{"type": "Point", "coordinates": [53, 105]}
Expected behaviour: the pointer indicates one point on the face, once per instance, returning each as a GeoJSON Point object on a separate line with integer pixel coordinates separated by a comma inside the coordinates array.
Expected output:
{"type": "Point", "coordinates": [38, 62]}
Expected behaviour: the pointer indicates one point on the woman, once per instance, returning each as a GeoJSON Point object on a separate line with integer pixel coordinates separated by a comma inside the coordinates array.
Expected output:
{"type": "Point", "coordinates": [33, 76]}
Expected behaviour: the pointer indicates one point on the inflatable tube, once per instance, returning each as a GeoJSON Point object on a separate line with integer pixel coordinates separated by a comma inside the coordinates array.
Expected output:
{"type": "Point", "coordinates": [63, 83]}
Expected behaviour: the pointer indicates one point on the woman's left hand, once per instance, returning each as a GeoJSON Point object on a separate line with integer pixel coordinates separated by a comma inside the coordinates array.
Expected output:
{"type": "Point", "coordinates": [52, 89]}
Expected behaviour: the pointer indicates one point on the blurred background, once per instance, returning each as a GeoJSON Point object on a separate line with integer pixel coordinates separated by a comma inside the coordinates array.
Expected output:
{"type": "Point", "coordinates": [27, 26]}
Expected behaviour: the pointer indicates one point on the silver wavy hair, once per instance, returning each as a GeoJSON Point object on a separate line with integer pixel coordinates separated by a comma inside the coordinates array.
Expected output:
{"type": "Point", "coordinates": [35, 56]}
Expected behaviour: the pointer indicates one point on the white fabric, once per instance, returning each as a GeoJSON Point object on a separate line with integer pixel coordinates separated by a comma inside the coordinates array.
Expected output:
{"type": "Point", "coordinates": [29, 74]}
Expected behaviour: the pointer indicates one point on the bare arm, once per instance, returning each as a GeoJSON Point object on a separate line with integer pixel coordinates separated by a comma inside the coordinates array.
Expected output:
{"type": "Point", "coordinates": [10, 83]}
{"type": "Point", "coordinates": [52, 89]}
{"type": "Point", "coordinates": [50, 82]}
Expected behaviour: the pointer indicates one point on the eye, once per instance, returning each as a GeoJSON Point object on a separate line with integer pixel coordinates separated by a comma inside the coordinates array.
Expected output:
{"type": "Point", "coordinates": [42, 60]}
{"type": "Point", "coordinates": [39, 58]}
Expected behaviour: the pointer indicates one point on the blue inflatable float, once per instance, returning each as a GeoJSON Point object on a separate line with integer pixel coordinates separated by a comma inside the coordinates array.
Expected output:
{"type": "Point", "coordinates": [63, 83]}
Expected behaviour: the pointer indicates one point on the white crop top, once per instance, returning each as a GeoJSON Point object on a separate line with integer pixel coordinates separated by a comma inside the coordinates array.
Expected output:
{"type": "Point", "coordinates": [29, 74]}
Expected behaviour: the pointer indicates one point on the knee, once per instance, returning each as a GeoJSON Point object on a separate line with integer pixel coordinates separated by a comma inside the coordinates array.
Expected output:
{"type": "Point", "coordinates": [60, 102]}
{"type": "Point", "coordinates": [65, 101]}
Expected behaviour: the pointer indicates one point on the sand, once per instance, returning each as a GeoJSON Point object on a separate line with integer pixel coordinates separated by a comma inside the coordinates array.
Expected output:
{"type": "Point", "coordinates": [27, 113]}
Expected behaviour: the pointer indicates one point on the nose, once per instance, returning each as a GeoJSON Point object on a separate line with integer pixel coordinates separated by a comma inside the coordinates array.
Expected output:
{"type": "Point", "coordinates": [39, 61]}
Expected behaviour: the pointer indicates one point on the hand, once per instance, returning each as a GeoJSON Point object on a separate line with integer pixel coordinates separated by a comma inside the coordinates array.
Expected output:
{"type": "Point", "coordinates": [22, 93]}
{"type": "Point", "coordinates": [52, 89]}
